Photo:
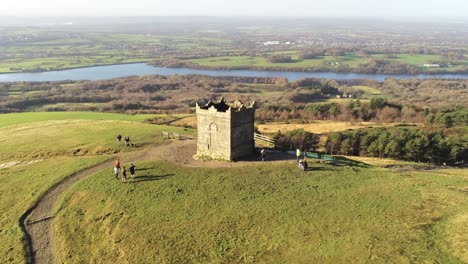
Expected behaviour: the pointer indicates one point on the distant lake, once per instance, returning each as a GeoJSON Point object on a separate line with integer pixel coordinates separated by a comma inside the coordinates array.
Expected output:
{"type": "Point", "coordinates": [139, 69]}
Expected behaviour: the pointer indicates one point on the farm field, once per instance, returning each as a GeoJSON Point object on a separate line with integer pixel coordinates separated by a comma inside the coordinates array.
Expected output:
{"type": "Point", "coordinates": [66, 50]}
{"type": "Point", "coordinates": [369, 91]}
{"type": "Point", "coordinates": [246, 61]}
{"type": "Point", "coordinates": [350, 59]}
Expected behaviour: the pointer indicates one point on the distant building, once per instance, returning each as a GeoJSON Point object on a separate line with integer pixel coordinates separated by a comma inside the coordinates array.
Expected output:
{"type": "Point", "coordinates": [225, 131]}
{"type": "Point", "coordinates": [274, 42]}
{"type": "Point", "coordinates": [432, 65]}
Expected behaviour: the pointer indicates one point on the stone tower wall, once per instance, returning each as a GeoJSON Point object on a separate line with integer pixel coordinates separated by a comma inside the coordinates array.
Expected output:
{"type": "Point", "coordinates": [214, 140]}
{"type": "Point", "coordinates": [225, 135]}
{"type": "Point", "coordinates": [242, 133]}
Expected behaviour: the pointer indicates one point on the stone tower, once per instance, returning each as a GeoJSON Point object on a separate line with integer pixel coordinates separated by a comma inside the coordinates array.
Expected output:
{"type": "Point", "coordinates": [225, 131]}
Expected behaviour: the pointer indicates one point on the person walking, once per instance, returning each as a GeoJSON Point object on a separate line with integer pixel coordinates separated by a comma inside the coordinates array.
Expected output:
{"type": "Point", "coordinates": [116, 172]}
{"type": "Point", "coordinates": [132, 171]}
{"type": "Point", "coordinates": [117, 168]}
{"type": "Point", "coordinates": [127, 140]}
{"type": "Point", "coordinates": [263, 154]}
{"type": "Point", "coordinates": [124, 175]}
{"type": "Point", "coordinates": [298, 154]}
{"type": "Point", "coordinates": [119, 139]}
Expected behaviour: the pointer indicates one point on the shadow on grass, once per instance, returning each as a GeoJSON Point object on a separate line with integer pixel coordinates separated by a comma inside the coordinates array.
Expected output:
{"type": "Point", "coordinates": [349, 162]}
{"type": "Point", "coordinates": [313, 168]}
{"type": "Point", "coordinates": [145, 178]}
{"type": "Point", "coordinates": [271, 155]}
{"type": "Point", "coordinates": [143, 169]}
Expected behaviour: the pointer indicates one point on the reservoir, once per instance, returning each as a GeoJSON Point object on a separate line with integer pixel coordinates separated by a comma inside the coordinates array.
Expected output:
{"type": "Point", "coordinates": [140, 69]}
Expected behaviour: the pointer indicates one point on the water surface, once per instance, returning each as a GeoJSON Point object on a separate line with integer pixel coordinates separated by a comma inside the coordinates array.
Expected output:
{"type": "Point", "coordinates": [124, 70]}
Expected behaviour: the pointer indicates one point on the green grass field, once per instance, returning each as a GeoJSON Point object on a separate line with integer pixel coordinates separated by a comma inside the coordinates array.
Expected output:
{"type": "Point", "coordinates": [368, 90]}
{"type": "Point", "coordinates": [60, 63]}
{"type": "Point", "coordinates": [413, 59]}
{"type": "Point", "coordinates": [350, 59]}
{"type": "Point", "coordinates": [270, 213]}
{"type": "Point", "coordinates": [75, 138]}
{"type": "Point", "coordinates": [92, 49]}
{"type": "Point", "coordinates": [265, 214]}
{"type": "Point", "coordinates": [248, 61]}
{"type": "Point", "coordinates": [45, 148]}
{"type": "Point", "coordinates": [21, 118]}
{"type": "Point", "coordinates": [21, 187]}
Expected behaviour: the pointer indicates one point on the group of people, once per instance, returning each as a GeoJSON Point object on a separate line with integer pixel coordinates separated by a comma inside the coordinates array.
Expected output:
{"type": "Point", "coordinates": [124, 171]}
{"type": "Point", "coordinates": [127, 140]}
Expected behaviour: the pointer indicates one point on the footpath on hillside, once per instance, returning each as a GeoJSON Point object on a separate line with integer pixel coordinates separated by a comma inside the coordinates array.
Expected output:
{"type": "Point", "coordinates": [37, 221]}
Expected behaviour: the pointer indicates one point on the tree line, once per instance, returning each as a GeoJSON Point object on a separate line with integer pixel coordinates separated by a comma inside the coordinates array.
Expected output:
{"type": "Point", "coordinates": [403, 143]}
{"type": "Point", "coordinates": [411, 144]}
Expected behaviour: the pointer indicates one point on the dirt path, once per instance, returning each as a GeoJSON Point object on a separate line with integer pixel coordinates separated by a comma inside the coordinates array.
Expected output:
{"type": "Point", "coordinates": [37, 221]}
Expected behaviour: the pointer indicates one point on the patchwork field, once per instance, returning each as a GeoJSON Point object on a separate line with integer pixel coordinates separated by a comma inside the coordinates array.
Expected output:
{"type": "Point", "coordinates": [64, 50]}
{"type": "Point", "coordinates": [351, 60]}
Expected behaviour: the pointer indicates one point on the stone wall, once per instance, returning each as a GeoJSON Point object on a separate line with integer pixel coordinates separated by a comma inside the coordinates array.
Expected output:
{"type": "Point", "coordinates": [242, 133]}
{"type": "Point", "coordinates": [213, 134]}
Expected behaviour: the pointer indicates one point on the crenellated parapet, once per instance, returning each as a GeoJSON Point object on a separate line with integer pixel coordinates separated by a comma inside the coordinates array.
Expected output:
{"type": "Point", "coordinates": [223, 106]}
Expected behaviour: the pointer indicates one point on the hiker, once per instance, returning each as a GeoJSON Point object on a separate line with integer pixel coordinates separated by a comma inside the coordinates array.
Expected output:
{"type": "Point", "coordinates": [124, 175]}
{"type": "Point", "coordinates": [127, 140]}
{"type": "Point", "coordinates": [132, 171]}
{"type": "Point", "coordinates": [263, 152]}
{"type": "Point", "coordinates": [298, 154]}
{"type": "Point", "coordinates": [119, 138]}
{"type": "Point", "coordinates": [117, 168]}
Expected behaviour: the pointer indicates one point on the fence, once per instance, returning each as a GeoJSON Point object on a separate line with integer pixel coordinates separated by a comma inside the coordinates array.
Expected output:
{"type": "Point", "coordinates": [170, 135]}
{"type": "Point", "coordinates": [324, 157]}
{"type": "Point", "coordinates": [265, 139]}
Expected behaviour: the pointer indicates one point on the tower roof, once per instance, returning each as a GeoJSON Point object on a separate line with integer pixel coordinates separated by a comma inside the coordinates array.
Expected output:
{"type": "Point", "coordinates": [222, 106]}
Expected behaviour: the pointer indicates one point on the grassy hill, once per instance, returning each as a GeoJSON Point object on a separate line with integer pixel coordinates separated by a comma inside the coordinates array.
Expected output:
{"type": "Point", "coordinates": [21, 118]}
{"type": "Point", "coordinates": [261, 212]}
{"type": "Point", "coordinates": [36, 154]}
{"type": "Point", "coordinates": [271, 213]}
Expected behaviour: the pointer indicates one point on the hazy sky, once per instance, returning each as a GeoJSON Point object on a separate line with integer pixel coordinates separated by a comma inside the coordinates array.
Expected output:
{"type": "Point", "coordinates": [306, 8]}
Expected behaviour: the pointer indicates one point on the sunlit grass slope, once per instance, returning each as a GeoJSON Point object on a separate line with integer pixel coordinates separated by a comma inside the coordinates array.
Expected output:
{"type": "Point", "coordinates": [271, 213]}
{"type": "Point", "coordinates": [75, 138]}
{"type": "Point", "coordinates": [20, 118]}
{"type": "Point", "coordinates": [47, 151]}
{"type": "Point", "coordinates": [20, 187]}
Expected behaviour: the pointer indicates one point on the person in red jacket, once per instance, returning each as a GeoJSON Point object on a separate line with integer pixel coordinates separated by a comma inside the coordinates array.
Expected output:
{"type": "Point", "coordinates": [117, 168]}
